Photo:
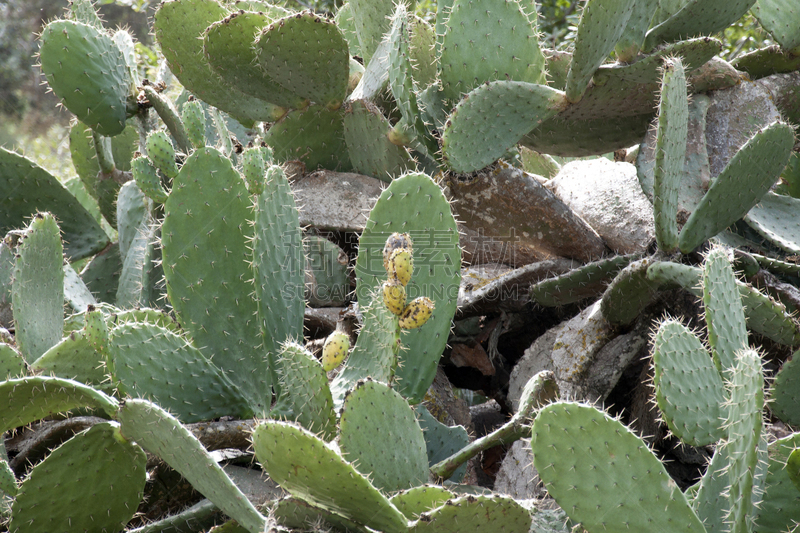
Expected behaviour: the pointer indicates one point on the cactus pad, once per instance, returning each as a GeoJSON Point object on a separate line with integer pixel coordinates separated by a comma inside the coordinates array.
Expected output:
{"type": "Point", "coordinates": [100, 499]}
{"type": "Point", "coordinates": [32, 398]}
{"type": "Point", "coordinates": [417, 500]}
{"type": "Point", "coordinates": [74, 358]}
{"type": "Point", "coordinates": [87, 70]}
{"type": "Point", "coordinates": [493, 118]}
{"type": "Point", "coordinates": [37, 291]}
{"type": "Point", "coordinates": [774, 218]}
{"type": "Point", "coordinates": [741, 184]}
{"type": "Point", "coordinates": [314, 136]}
{"type": "Point", "coordinates": [371, 152]}
{"type": "Point", "coordinates": [313, 471]}
{"type": "Point", "coordinates": [153, 362]}
{"type": "Point", "coordinates": [415, 204]}
{"type": "Point", "coordinates": [785, 399]}
{"type": "Point", "coordinates": [473, 514]}
{"type": "Point", "coordinates": [781, 18]}
{"type": "Point", "coordinates": [697, 17]}
{"type": "Point", "coordinates": [207, 212]}
{"type": "Point", "coordinates": [592, 464]}
{"type": "Point", "coordinates": [505, 48]}
{"type": "Point", "coordinates": [380, 436]}
{"type": "Point", "coordinates": [727, 330]}
{"type": "Point", "coordinates": [161, 434]}
{"type": "Point", "coordinates": [689, 388]}
{"type": "Point", "coordinates": [307, 55]}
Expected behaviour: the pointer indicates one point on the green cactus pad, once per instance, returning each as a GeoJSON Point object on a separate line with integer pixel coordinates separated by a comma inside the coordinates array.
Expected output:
{"type": "Point", "coordinates": [780, 505]}
{"type": "Point", "coordinates": [401, 80]}
{"type": "Point", "coordinates": [417, 500]}
{"type": "Point", "coordinates": [32, 398]}
{"type": "Point", "coordinates": [583, 137]}
{"type": "Point", "coordinates": [228, 45]}
{"type": "Point", "coordinates": [585, 281]}
{"type": "Point", "coordinates": [689, 389]}
{"type": "Point", "coordinates": [314, 136]}
{"type": "Point", "coordinates": [306, 385]}
{"type": "Point", "coordinates": [307, 55]}
{"type": "Point", "coordinates": [37, 291]}
{"type": "Point", "coordinates": [741, 184]}
{"type": "Point", "coordinates": [298, 514]}
{"type": "Point", "coordinates": [474, 514]}
{"type": "Point", "coordinates": [631, 40]}
{"type": "Point", "coordinates": [132, 211]}
{"type": "Point", "coordinates": [27, 188]}
{"type": "Point", "coordinates": [84, 11]}
{"type": "Point", "coordinates": [254, 170]}
{"type": "Point", "coordinates": [366, 132]}
{"type": "Point", "coordinates": [101, 275]}
{"type": "Point", "coordinates": [152, 362]}
{"type": "Point", "coordinates": [603, 475]}
{"type": "Point", "coordinates": [100, 499]}
{"type": "Point", "coordinates": [206, 245]}
{"type": "Point", "coordinates": [775, 219]}
{"type": "Point", "coordinates": [194, 120]}
{"type": "Point", "coordinates": [629, 293]}
{"type": "Point", "coordinates": [12, 365]}
{"type": "Point", "coordinates": [785, 395]}
{"type": "Point", "coordinates": [374, 353]}
{"type": "Point", "coordinates": [371, 19]}
{"type": "Point", "coordinates": [506, 47]}
{"type": "Point", "coordinates": [601, 26]}
{"type": "Point", "coordinates": [162, 153]}
{"type": "Point", "coordinates": [415, 204]}
{"type": "Point", "coordinates": [380, 436]}
{"type": "Point", "coordinates": [442, 441]}
{"type": "Point", "coordinates": [327, 265]}
{"type": "Point", "coordinates": [763, 314]}
{"type": "Point", "coordinates": [693, 54]}
{"type": "Point", "coordinates": [744, 426]}
{"type": "Point", "coordinates": [87, 70]}
{"type": "Point", "coordinates": [345, 20]}
{"type": "Point", "coordinates": [313, 471]}
{"type": "Point", "coordinates": [711, 502]}
{"type": "Point", "coordinates": [161, 434]}
{"type": "Point", "coordinates": [278, 263]}
{"type": "Point", "coordinates": [146, 178]}
{"type": "Point", "coordinates": [179, 27]}
{"type": "Point", "coordinates": [493, 118]}
{"type": "Point", "coordinates": [727, 330]}
{"type": "Point", "coordinates": [697, 17]}
{"type": "Point", "coordinates": [76, 294]}
{"type": "Point", "coordinates": [781, 18]}
{"type": "Point", "coordinates": [673, 123]}
{"type": "Point", "coordinates": [75, 358]}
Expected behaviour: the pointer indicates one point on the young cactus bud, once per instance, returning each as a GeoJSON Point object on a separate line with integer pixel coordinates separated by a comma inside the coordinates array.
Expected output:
{"type": "Point", "coordinates": [335, 350]}
{"type": "Point", "coordinates": [401, 265]}
{"type": "Point", "coordinates": [395, 242]}
{"type": "Point", "coordinates": [162, 153]}
{"type": "Point", "coordinates": [254, 170]}
{"type": "Point", "coordinates": [394, 296]}
{"type": "Point", "coordinates": [146, 177]}
{"type": "Point", "coordinates": [416, 313]}
{"type": "Point", "coordinates": [194, 120]}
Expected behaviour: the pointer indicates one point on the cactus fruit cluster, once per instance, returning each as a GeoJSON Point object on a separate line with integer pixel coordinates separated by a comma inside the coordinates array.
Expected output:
{"type": "Point", "coordinates": [180, 253]}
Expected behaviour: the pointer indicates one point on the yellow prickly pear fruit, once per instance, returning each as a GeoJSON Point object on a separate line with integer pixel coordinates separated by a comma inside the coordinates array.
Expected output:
{"type": "Point", "coordinates": [335, 350]}
{"type": "Point", "coordinates": [416, 313]}
{"type": "Point", "coordinates": [401, 265]}
{"type": "Point", "coordinates": [394, 296]}
{"type": "Point", "coordinates": [395, 242]}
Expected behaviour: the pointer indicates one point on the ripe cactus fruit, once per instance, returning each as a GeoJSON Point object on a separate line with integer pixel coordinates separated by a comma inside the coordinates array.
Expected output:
{"type": "Point", "coordinates": [417, 313]}
{"type": "Point", "coordinates": [401, 266]}
{"type": "Point", "coordinates": [146, 177]}
{"type": "Point", "coordinates": [395, 241]}
{"type": "Point", "coordinates": [162, 153]}
{"type": "Point", "coordinates": [87, 70]}
{"type": "Point", "coordinates": [335, 349]}
{"type": "Point", "coordinates": [394, 296]}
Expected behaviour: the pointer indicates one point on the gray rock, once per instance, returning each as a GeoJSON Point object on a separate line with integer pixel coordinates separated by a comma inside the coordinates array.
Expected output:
{"type": "Point", "coordinates": [607, 195]}
{"type": "Point", "coordinates": [334, 200]}
{"type": "Point", "coordinates": [509, 217]}
{"type": "Point", "coordinates": [517, 477]}
{"type": "Point", "coordinates": [535, 359]}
